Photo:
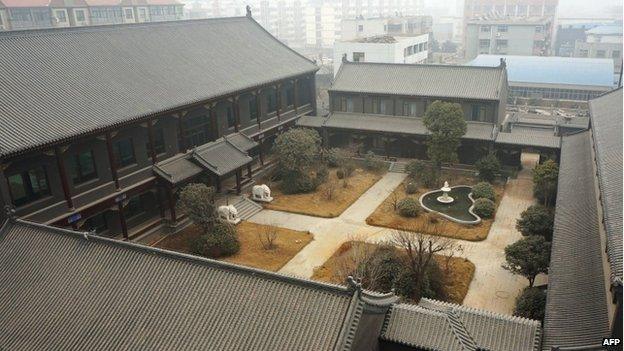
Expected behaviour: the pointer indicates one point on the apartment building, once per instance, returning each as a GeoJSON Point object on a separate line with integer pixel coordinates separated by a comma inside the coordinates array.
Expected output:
{"type": "Point", "coordinates": [508, 36]}
{"type": "Point", "coordinates": [36, 14]}
{"type": "Point", "coordinates": [357, 28]}
{"type": "Point", "coordinates": [383, 49]}
{"type": "Point", "coordinates": [602, 42]}
{"type": "Point", "coordinates": [112, 126]}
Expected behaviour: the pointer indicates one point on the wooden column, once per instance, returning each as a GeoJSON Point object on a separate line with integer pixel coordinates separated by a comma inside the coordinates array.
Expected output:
{"type": "Point", "coordinates": [259, 108]}
{"type": "Point", "coordinates": [5, 193]}
{"type": "Point", "coordinates": [161, 208]}
{"type": "Point", "coordinates": [122, 220]}
{"type": "Point", "coordinates": [249, 171]}
{"type": "Point", "coordinates": [236, 111]}
{"type": "Point", "coordinates": [181, 141]}
{"type": "Point", "coordinates": [111, 159]}
{"type": "Point", "coordinates": [218, 184]}
{"type": "Point", "coordinates": [295, 94]}
{"type": "Point", "coordinates": [260, 152]}
{"type": "Point", "coordinates": [394, 107]}
{"type": "Point", "coordinates": [278, 100]}
{"type": "Point", "coordinates": [212, 113]}
{"type": "Point", "coordinates": [150, 137]}
{"type": "Point", "coordinates": [172, 203]}
{"type": "Point", "coordinates": [60, 162]}
{"type": "Point", "coordinates": [238, 181]}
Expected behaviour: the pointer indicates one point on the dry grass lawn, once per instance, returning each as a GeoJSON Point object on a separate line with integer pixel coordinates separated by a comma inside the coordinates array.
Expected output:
{"type": "Point", "coordinates": [318, 203]}
{"type": "Point", "coordinates": [456, 279]}
{"type": "Point", "coordinates": [385, 216]}
{"type": "Point", "coordinates": [252, 254]}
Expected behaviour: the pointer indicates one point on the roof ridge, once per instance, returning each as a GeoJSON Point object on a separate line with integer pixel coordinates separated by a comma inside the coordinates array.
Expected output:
{"type": "Point", "coordinates": [109, 27]}
{"type": "Point", "coordinates": [482, 312]}
{"type": "Point", "coordinates": [460, 331]}
{"type": "Point", "coordinates": [418, 65]}
{"type": "Point", "coordinates": [226, 266]}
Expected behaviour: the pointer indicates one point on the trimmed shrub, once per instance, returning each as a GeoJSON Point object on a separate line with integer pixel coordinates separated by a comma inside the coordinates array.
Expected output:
{"type": "Point", "coordinates": [422, 172]}
{"type": "Point", "coordinates": [483, 190]}
{"type": "Point", "coordinates": [545, 178]}
{"type": "Point", "coordinates": [197, 201]}
{"type": "Point", "coordinates": [489, 167]}
{"type": "Point", "coordinates": [221, 241]}
{"type": "Point", "coordinates": [333, 157]}
{"type": "Point", "coordinates": [431, 287]}
{"type": "Point", "coordinates": [348, 168]}
{"type": "Point", "coordinates": [484, 208]}
{"type": "Point", "coordinates": [409, 207]}
{"type": "Point", "coordinates": [415, 169]}
{"type": "Point", "coordinates": [371, 163]}
{"type": "Point", "coordinates": [531, 303]}
{"type": "Point", "coordinates": [322, 174]}
{"type": "Point", "coordinates": [411, 188]}
{"type": "Point", "coordinates": [405, 283]}
{"type": "Point", "coordinates": [536, 220]}
{"type": "Point", "coordinates": [295, 182]}
{"type": "Point", "coordinates": [340, 174]}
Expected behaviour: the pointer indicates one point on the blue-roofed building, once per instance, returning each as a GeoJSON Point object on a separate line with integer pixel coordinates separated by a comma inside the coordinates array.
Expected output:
{"type": "Point", "coordinates": [553, 78]}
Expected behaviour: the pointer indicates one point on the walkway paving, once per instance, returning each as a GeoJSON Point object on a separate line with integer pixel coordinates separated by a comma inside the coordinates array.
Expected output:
{"type": "Point", "coordinates": [492, 287]}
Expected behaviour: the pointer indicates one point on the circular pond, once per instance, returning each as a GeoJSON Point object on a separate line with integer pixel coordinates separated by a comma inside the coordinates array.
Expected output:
{"type": "Point", "coordinates": [460, 210]}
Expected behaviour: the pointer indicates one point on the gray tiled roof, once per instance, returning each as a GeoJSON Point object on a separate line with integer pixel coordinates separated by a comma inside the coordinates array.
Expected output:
{"type": "Point", "coordinates": [177, 169]}
{"type": "Point", "coordinates": [58, 83]}
{"type": "Point", "coordinates": [398, 124]}
{"type": "Point", "coordinates": [466, 82]}
{"type": "Point", "coordinates": [576, 306]}
{"type": "Point", "coordinates": [529, 137]}
{"type": "Point", "coordinates": [311, 121]}
{"type": "Point", "coordinates": [606, 121]}
{"type": "Point", "coordinates": [220, 156]}
{"type": "Point", "coordinates": [435, 325]}
{"type": "Point", "coordinates": [65, 290]}
{"type": "Point", "coordinates": [241, 141]}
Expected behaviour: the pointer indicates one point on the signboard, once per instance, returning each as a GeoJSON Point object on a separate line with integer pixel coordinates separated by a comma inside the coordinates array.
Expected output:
{"type": "Point", "coordinates": [74, 218]}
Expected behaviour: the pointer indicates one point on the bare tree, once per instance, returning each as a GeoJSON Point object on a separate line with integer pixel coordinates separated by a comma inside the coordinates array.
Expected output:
{"type": "Point", "coordinates": [420, 249]}
{"type": "Point", "coordinates": [330, 189]}
{"type": "Point", "coordinates": [394, 200]}
{"type": "Point", "coordinates": [267, 237]}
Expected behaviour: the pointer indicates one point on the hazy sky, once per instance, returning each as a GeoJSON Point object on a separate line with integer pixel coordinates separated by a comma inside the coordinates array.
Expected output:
{"type": "Point", "coordinates": [567, 8]}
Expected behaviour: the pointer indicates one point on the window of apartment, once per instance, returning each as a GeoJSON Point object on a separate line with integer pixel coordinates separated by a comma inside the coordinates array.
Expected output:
{"type": "Point", "coordinates": [479, 113]}
{"type": "Point", "coordinates": [501, 42]}
{"type": "Point", "coordinates": [196, 130]}
{"type": "Point", "coordinates": [229, 116]}
{"type": "Point", "coordinates": [409, 109]}
{"type": "Point", "coordinates": [129, 14]}
{"type": "Point", "coordinates": [253, 108]}
{"type": "Point", "coordinates": [272, 100]}
{"type": "Point", "coordinates": [80, 15]}
{"type": "Point", "coordinates": [583, 53]}
{"type": "Point", "coordinates": [485, 29]}
{"type": "Point", "coordinates": [142, 14]}
{"type": "Point", "coordinates": [159, 143]}
{"type": "Point", "coordinates": [28, 186]}
{"type": "Point", "coordinates": [484, 43]}
{"type": "Point", "coordinates": [502, 29]}
{"type": "Point", "coordinates": [61, 16]}
{"type": "Point", "coordinates": [615, 54]}
{"type": "Point", "coordinates": [20, 15]}
{"type": "Point", "coordinates": [420, 47]}
{"type": "Point", "coordinates": [358, 57]}
{"type": "Point", "coordinates": [83, 167]}
{"type": "Point", "coordinates": [124, 152]}
{"type": "Point", "coordinates": [97, 223]}
{"type": "Point", "coordinates": [405, 51]}
{"type": "Point", "coordinates": [539, 29]}
{"type": "Point", "coordinates": [521, 10]}
{"type": "Point", "coordinates": [360, 28]}
{"type": "Point", "coordinates": [601, 53]}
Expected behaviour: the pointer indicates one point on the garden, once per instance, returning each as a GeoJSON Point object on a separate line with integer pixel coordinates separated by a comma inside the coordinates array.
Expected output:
{"type": "Point", "coordinates": [249, 244]}
{"type": "Point", "coordinates": [315, 181]}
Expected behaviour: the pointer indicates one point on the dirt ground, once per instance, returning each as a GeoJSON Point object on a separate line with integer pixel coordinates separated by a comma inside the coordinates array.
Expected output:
{"type": "Point", "coordinates": [386, 216]}
{"type": "Point", "coordinates": [252, 253]}
{"type": "Point", "coordinates": [318, 203]}
{"type": "Point", "coordinates": [456, 278]}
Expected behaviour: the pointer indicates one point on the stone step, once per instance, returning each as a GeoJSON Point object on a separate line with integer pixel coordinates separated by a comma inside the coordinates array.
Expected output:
{"type": "Point", "coordinates": [397, 167]}
{"type": "Point", "coordinates": [246, 208]}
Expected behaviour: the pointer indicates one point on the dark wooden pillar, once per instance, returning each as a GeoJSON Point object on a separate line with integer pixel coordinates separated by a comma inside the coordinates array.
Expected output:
{"type": "Point", "coordinates": [111, 159]}
{"type": "Point", "coordinates": [249, 171]}
{"type": "Point", "coordinates": [122, 220]}
{"type": "Point", "coordinates": [238, 181]}
{"type": "Point", "coordinates": [261, 152]}
{"type": "Point", "coordinates": [161, 207]}
{"type": "Point", "coordinates": [278, 100]}
{"type": "Point", "coordinates": [394, 107]}
{"type": "Point", "coordinates": [296, 94]}
{"type": "Point", "coordinates": [236, 111]}
{"type": "Point", "coordinates": [313, 94]}
{"type": "Point", "coordinates": [150, 137]}
{"type": "Point", "coordinates": [172, 203]}
{"type": "Point", "coordinates": [60, 162]}
{"type": "Point", "coordinates": [363, 104]}
{"type": "Point", "coordinates": [218, 184]}
{"type": "Point", "coordinates": [212, 114]}
{"type": "Point", "coordinates": [258, 95]}
{"type": "Point", "coordinates": [181, 141]}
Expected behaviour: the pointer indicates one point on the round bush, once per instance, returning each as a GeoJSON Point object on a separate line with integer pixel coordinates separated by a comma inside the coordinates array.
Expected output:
{"type": "Point", "coordinates": [483, 190]}
{"type": "Point", "coordinates": [221, 241]}
{"type": "Point", "coordinates": [380, 269]}
{"type": "Point", "coordinates": [321, 174]}
{"type": "Point", "coordinates": [408, 207]}
{"type": "Point", "coordinates": [484, 208]}
{"type": "Point", "coordinates": [531, 304]}
{"type": "Point", "coordinates": [411, 188]}
{"type": "Point", "coordinates": [295, 183]}
{"type": "Point", "coordinates": [536, 220]}
{"type": "Point", "coordinates": [340, 174]}
{"type": "Point", "coordinates": [333, 157]}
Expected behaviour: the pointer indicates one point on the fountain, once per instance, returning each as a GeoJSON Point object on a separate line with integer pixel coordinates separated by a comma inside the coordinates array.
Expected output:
{"type": "Point", "coordinates": [445, 198]}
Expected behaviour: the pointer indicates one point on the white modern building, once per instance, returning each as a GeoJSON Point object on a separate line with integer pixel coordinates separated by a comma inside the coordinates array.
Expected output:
{"type": "Point", "coordinates": [357, 28]}
{"type": "Point", "coordinates": [384, 49]}
{"type": "Point", "coordinates": [602, 42]}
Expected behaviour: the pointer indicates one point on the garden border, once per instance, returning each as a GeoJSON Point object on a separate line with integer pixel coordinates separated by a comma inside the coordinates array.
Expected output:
{"type": "Point", "coordinates": [470, 209]}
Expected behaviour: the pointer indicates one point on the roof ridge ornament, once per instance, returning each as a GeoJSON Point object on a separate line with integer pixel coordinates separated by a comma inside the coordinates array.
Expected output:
{"type": "Point", "coordinates": [10, 213]}
{"type": "Point", "coordinates": [354, 284]}
{"type": "Point", "coordinates": [248, 9]}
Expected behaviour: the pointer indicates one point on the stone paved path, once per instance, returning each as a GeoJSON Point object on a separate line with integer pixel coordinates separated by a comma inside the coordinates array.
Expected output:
{"type": "Point", "coordinates": [492, 287]}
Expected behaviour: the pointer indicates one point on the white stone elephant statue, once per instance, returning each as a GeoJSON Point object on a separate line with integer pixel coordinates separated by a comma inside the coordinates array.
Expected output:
{"type": "Point", "coordinates": [261, 193]}
{"type": "Point", "coordinates": [229, 214]}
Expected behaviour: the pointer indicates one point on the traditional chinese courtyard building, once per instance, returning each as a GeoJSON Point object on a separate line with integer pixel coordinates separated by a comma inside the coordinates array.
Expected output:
{"type": "Point", "coordinates": [101, 125]}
